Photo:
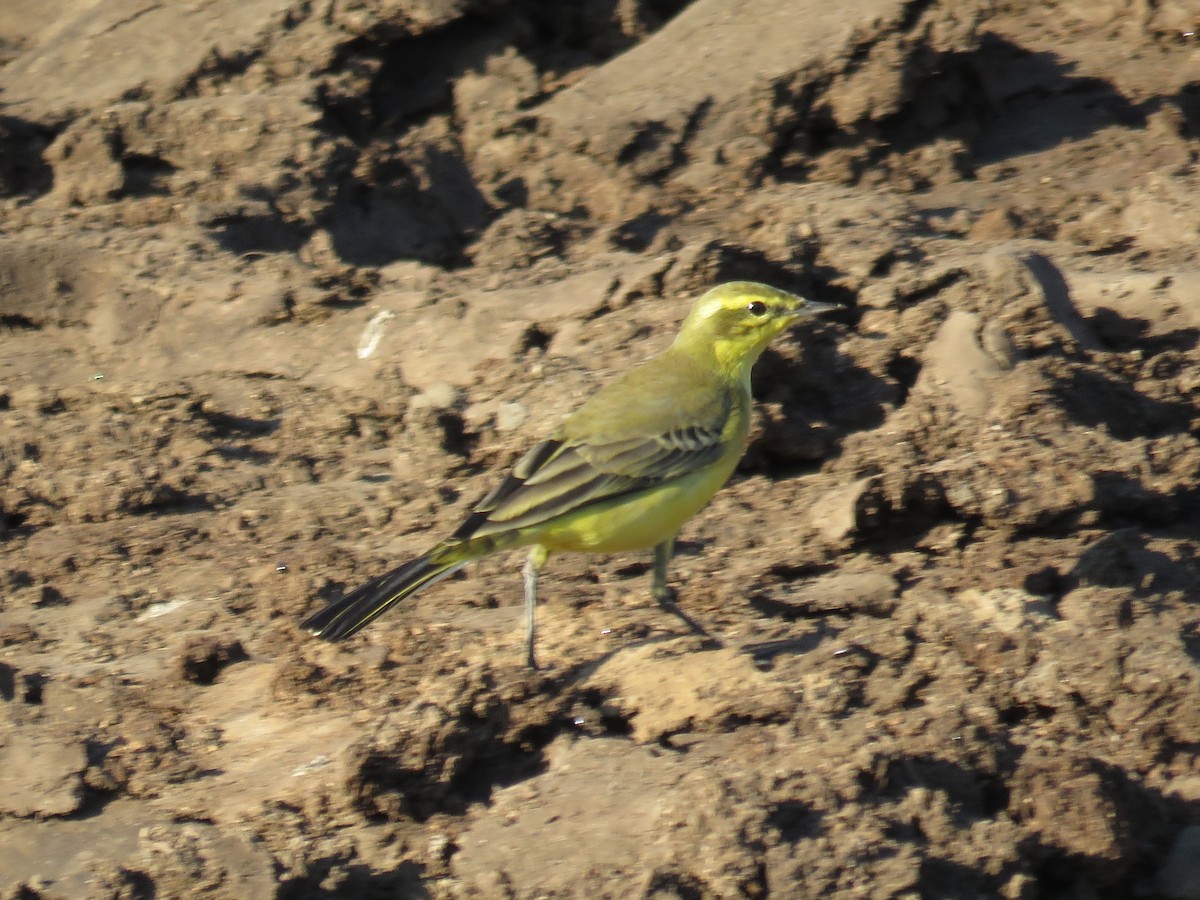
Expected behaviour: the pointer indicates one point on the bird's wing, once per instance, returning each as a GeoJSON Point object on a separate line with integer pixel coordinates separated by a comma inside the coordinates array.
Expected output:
{"type": "Point", "coordinates": [581, 466]}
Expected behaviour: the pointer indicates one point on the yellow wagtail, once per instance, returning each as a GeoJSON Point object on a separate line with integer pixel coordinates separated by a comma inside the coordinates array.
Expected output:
{"type": "Point", "coordinates": [624, 471]}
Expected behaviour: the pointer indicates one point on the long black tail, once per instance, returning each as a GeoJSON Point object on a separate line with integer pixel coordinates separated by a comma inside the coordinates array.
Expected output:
{"type": "Point", "coordinates": [347, 616]}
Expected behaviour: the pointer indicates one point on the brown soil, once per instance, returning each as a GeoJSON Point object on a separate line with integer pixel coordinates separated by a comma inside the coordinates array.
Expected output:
{"type": "Point", "coordinates": [283, 284]}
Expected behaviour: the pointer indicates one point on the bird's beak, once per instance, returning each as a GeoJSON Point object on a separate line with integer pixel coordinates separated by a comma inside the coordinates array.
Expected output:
{"type": "Point", "coordinates": [816, 308]}
{"type": "Point", "coordinates": [806, 308]}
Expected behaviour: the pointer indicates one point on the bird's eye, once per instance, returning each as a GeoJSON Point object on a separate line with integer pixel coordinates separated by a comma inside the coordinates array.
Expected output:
{"type": "Point", "coordinates": [756, 308]}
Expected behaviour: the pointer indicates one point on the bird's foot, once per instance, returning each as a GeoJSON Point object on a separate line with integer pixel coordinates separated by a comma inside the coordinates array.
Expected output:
{"type": "Point", "coordinates": [665, 597]}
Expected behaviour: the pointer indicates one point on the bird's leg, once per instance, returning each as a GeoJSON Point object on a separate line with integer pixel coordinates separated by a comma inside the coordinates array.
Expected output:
{"type": "Point", "coordinates": [534, 562]}
{"type": "Point", "coordinates": [666, 597]}
{"type": "Point", "coordinates": [662, 558]}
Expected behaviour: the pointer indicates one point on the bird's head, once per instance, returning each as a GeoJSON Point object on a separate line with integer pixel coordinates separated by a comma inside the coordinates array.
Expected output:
{"type": "Point", "coordinates": [737, 320]}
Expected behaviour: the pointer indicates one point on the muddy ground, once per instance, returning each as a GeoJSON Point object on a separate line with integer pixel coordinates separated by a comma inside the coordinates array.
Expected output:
{"type": "Point", "coordinates": [283, 285]}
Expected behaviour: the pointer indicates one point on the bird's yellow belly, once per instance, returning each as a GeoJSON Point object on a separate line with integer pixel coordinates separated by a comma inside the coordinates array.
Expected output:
{"type": "Point", "coordinates": [637, 521]}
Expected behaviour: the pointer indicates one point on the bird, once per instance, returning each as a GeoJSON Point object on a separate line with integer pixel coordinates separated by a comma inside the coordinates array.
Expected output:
{"type": "Point", "coordinates": [623, 472]}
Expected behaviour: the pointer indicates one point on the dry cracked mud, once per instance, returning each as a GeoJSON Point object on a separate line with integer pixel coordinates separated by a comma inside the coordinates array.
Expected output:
{"type": "Point", "coordinates": [283, 284]}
